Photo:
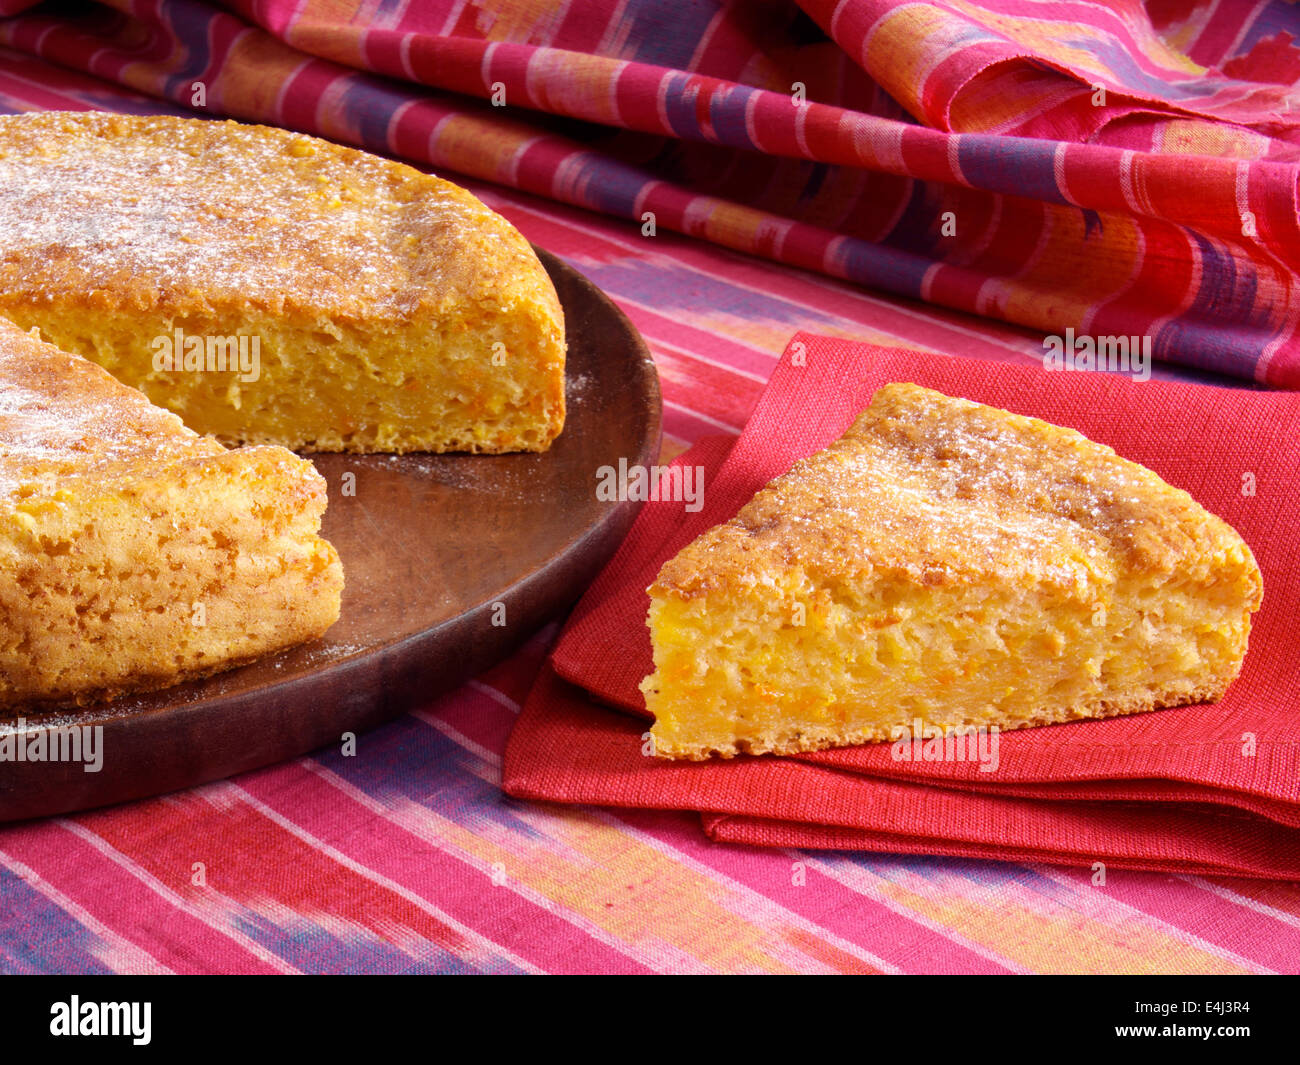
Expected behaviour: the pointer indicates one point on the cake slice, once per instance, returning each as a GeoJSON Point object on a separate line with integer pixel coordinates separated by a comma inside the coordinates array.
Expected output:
{"type": "Point", "coordinates": [948, 563]}
{"type": "Point", "coordinates": [270, 287]}
{"type": "Point", "coordinates": [135, 553]}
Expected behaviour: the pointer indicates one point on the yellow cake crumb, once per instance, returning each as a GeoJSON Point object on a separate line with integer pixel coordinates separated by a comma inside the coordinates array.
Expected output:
{"type": "Point", "coordinates": [392, 310]}
{"type": "Point", "coordinates": [948, 563]}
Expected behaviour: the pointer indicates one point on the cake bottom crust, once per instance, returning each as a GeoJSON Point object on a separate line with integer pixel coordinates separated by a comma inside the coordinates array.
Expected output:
{"type": "Point", "coordinates": [37, 704]}
{"type": "Point", "coordinates": [802, 739]}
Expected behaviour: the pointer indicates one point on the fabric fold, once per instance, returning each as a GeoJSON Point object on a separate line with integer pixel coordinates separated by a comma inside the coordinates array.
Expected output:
{"type": "Point", "coordinates": [993, 180]}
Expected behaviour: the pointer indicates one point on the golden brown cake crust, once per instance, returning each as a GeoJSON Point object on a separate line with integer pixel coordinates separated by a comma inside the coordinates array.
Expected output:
{"type": "Point", "coordinates": [191, 215]}
{"type": "Point", "coordinates": [947, 491]}
{"type": "Point", "coordinates": [62, 419]}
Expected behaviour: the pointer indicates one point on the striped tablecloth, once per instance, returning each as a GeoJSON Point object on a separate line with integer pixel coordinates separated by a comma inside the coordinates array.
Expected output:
{"type": "Point", "coordinates": [408, 858]}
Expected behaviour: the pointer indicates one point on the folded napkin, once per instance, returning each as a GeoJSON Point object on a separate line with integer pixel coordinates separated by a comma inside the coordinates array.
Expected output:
{"type": "Point", "coordinates": [1212, 788]}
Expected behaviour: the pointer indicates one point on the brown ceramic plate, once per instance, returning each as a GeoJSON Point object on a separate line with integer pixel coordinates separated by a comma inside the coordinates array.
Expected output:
{"type": "Point", "coordinates": [435, 549]}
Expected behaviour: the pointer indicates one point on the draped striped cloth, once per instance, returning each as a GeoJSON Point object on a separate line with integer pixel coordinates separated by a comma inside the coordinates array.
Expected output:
{"type": "Point", "coordinates": [407, 857]}
{"type": "Point", "coordinates": [1116, 168]}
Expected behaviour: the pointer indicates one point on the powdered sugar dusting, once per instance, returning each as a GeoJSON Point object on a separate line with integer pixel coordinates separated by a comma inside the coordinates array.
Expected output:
{"type": "Point", "coordinates": [164, 209]}
{"type": "Point", "coordinates": [61, 416]}
{"type": "Point", "coordinates": [943, 489]}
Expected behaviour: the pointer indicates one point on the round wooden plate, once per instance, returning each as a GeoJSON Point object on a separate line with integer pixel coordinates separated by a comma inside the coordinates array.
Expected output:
{"type": "Point", "coordinates": [451, 561]}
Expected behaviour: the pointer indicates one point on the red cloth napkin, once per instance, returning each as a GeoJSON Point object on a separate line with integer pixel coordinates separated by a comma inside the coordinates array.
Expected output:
{"type": "Point", "coordinates": [1181, 791]}
{"type": "Point", "coordinates": [564, 748]}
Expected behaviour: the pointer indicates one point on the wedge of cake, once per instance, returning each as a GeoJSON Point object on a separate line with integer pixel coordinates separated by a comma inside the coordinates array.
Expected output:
{"type": "Point", "coordinates": [270, 287]}
{"type": "Point", "coordinates": [135, 553]}
{"type": "Point", "coordinates": [951, 563]}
